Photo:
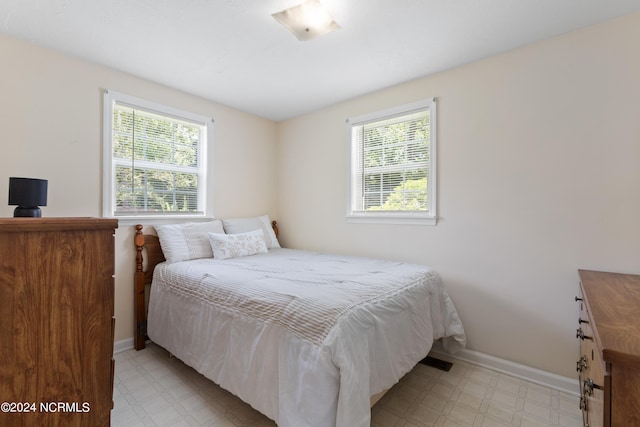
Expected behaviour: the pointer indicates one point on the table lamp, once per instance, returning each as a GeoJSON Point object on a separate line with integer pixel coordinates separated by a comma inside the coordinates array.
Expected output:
{"type": "Point", "coordinates": [28, 194]}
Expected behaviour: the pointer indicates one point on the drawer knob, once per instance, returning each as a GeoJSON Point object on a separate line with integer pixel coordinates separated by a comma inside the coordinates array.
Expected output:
{"type": "Point", "coordinates": [580, 321]}
{"type": "Point", "coordinates": [588, 387]}
{"type": "Point", "coordinates": [580, 334]}
{"type": "Point", "coordinates": [582, 364]}
{"type": "Point", "coordinates": [578, 299]}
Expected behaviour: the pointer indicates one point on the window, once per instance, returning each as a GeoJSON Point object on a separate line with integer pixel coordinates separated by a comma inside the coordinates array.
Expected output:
{"type": "Point", "coordinates": [155, 159]}
{"type": "Point", "coordinates": [392, 175]}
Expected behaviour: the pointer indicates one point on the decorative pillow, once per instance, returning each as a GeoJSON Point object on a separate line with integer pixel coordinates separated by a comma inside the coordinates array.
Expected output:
{"type": "Point", "coordinates": [242, 225]}
{"type": "Point", "coordinates": [182, 242]}
{"type": "Point", "coordinates": [237, 245]}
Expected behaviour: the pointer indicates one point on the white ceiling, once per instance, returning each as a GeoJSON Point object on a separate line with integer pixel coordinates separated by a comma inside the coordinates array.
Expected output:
{"type": "Point", "coordinates": [233, 52]}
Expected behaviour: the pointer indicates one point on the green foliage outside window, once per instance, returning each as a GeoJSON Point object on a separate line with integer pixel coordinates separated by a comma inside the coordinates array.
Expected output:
{"type": "Point", "coordinates": [396, 158]}
{"type": "Point", "coordinates": [156, 162]}
{"type": "Point", "coordinates": [409, 196]}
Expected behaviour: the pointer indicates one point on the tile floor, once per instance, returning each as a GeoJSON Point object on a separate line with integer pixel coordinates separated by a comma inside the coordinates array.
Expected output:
{"type": "Point", "coordinates": [152, 389]}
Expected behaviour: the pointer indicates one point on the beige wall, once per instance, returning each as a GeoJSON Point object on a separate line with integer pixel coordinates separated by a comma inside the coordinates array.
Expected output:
{"type": "Point", "coordinates": [538, 175]}
{"type": "Point", "coordinates": [51, 115]}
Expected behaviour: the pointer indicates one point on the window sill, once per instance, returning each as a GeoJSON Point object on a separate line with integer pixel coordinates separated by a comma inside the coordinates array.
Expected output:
{"type": "Point", "coordinates": [155, 220]}
{"type": "Point", "coordinates": [392, 219]}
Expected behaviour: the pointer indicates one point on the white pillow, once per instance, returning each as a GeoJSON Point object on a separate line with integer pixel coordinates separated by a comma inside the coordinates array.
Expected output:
{"type": "Point", "coordinates": [242, 225]}
{"type": "Point", "coordinates": [237, 245]}
{"type": "Point", "coordinates": [182, 242]}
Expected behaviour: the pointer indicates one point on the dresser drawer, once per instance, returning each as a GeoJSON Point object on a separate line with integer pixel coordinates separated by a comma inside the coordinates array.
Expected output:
{"type": "Point", "coordinates": [590, 366]}
{"type": "Point", "coordinates": [591, 369]}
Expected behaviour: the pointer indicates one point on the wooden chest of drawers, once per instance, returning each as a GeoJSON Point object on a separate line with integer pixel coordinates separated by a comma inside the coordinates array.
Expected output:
{"type": "Point", "coordinates": [56, 321]}
{"type": "Point", "coordinates": [609, 363]}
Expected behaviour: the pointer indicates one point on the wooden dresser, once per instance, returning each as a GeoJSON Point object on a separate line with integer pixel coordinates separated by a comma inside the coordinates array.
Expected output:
{"type": "Point", "coordinates": [609, 334]}
{"type": "Point", "coordinates": [56, 321]}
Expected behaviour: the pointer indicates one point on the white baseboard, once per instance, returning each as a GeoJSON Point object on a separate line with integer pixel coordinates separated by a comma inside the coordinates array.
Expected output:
{"type": "Point", "coordinates": [537, 376]}
{"type": "Point", "coordinates": [122, 345]}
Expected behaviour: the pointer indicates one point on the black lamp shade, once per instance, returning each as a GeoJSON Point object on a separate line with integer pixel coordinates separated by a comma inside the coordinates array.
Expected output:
{"type": "Point", "coordinates": [28, 194]}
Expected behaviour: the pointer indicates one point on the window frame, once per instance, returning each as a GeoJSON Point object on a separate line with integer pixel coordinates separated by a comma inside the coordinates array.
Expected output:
{"type": "Point", "coordinates": [428, 217]}
{"type": "Point", "coordinates": [110, 99]}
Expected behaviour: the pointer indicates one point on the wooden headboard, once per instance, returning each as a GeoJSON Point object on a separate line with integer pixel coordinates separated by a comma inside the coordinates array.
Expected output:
{"type": "Point", "coordinates": [143, 276]}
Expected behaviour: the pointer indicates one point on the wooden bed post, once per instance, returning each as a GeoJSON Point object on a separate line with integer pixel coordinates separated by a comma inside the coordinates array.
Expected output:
{"type": "Point", "coordinates": [139, 312]}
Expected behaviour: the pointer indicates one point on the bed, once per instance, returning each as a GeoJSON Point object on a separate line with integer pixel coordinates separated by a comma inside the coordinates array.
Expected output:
{"type": "Point", "coordinates": [306, 338]}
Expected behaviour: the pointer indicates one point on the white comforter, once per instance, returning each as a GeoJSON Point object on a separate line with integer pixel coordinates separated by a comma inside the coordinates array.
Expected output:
{"type": "Point", "coordinates": [305, 338]}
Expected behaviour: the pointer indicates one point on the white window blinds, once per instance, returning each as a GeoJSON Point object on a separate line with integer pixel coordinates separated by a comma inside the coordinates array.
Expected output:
{"type": "Point", "coordinates": [392, 163]}
{"type": "Point", "coordinates": [157, 160]}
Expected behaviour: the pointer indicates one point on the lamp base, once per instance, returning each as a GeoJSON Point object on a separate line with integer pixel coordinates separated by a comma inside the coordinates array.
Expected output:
{"type": "Point", "coordinates": [23, 211]}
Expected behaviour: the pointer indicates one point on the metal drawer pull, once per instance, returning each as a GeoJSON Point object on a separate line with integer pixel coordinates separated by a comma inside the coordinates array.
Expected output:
{"type": "Point", "coordinates": [582, 364]}
{"type": "Point", "coordinates": [584, 407]}
{"type": "Point", "coordinates": [580, 321]}
{"type": "Point", "coordinates": [580, 334]}
{"type": "Point", "coordinates": [578, 299]}
{"type": "Point", "coordinates": [588, 387]}
{"type": "Point", "coordinates": [583, 403]}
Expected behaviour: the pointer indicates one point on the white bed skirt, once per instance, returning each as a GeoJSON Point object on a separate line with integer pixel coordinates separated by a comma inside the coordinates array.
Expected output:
{"type": "Point", "coordinates": [283, 374]}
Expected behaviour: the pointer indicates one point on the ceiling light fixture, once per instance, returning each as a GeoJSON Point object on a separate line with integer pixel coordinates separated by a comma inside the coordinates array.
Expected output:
{"type": "Point", "coordinates": [307, 20]}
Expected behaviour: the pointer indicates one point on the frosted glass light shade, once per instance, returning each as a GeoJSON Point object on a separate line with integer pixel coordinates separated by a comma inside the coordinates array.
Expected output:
{"type": "Point", "coordinates": [307, 20]}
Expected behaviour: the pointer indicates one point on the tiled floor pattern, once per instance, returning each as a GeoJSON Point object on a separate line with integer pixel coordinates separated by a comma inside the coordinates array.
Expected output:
{"type": "Point", "coordinates": [152, 389]}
